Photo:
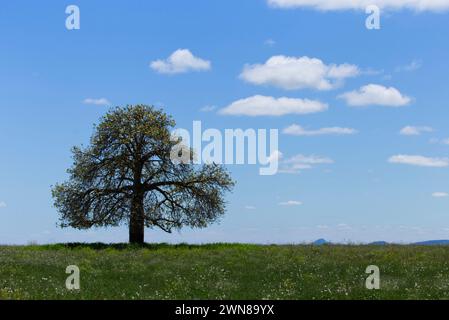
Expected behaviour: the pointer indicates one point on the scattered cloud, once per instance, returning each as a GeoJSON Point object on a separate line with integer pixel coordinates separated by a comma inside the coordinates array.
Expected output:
{"type": "Point", "coordinates": [270, 42]}
{"type": "Point", "coordinates": [441, 141]}
{"type": "Point", "coordinates": [208, 108]}
{"type": "Point", "coordinates": [344, 226]}
{"type": "Point", "coordinates": [372, 72]}
{"type": "Point", "coordinates": [300, 162]}
{"type": "Point", "coordinates": [440, 194]}
{"type": "Point", "coordinates": [297, 130]}
{"type": "Point", "coordinates": [180, 61]}
{"type": "Point", "coordinates": [374, 94]}
{"type": "Point", "coordinates": [269, 106]}
{"type": "Point", "coordinates": [415, 131]}
{"type": "Point", "coordinates": [290, 203]}
{"type": "Point", "coordinates": [412, 66]}
{"type": "Point", "coordinates": [275, 156]}
{"type": "Point", "coordinates": [2, 204]}
{"type": "Point", "coordinates": [292, 73]}
{"type": "Point", "coordinates": [331, 5]}
{"type": "Point", "coordinates": [250, 207]}
{"type": "Point", "coordinates": [97, 102]}
{"type": "Point", "coordinates": [419, 161]}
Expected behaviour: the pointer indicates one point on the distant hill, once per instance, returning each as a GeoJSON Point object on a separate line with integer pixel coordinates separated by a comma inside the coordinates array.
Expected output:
{"type": "Point", "coordinates": [378, 243]}
{"type": "Point", "coordinates": [320, 242]}
{"type": "Point", "coordinates": [433, 243]}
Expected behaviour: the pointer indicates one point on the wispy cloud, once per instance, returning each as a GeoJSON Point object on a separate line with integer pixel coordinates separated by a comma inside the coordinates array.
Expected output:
{"type": "Point", "coordinates": [344, 226]}
{"type": "Point", "coordinates": [292, 73]}
{"type": "Point", "coordinates": [297, 130]}
{"type": "Point", "coordinates": [97, 102]}
{"type": "Point", "coordinates": [441, 141]}
{"type": "Point", "coordinates": [440, 194]}
{"type": "Point", "coordinates": [270, 42]}
{"type": "Point", "coordinates": [415, 131]}
{"type": "Point", "coordinates": [208, 108]}
{"type": "Point", "coordinates": [416, 160]}
{"type": "Point", "coordinates": [372, 72]}
{"type": "Point", "coordinates": [374, 94]}
{"type": "Point", "coordinates": [296, 164]}
{"type": "Point", "coordinates": [2, 204]}
{"type": "Point", "coordinates": [180, 61]}
{"type": "Point", "coordinates": [250, 208]}
{"type": "Point", "coordinates": [269, 106]}
{"type": "Point", "coordinates": [412, 66]}
{"type": "Point", "coordinates": [290, 203]}
{"type": "Point", "coordinates": [328, 5]}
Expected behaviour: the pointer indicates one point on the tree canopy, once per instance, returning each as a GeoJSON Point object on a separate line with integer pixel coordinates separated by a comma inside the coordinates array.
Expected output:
{"type": "Point", "coordinates": [126, 176]}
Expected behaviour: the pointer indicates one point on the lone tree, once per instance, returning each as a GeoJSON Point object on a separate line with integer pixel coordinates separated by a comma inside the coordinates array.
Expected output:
{"type": "Point", "coordinates": [126, 176]}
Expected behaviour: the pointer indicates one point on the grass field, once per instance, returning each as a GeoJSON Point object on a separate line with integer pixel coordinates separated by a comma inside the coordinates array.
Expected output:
{"type": "Point", "coordinates": [223, 271]}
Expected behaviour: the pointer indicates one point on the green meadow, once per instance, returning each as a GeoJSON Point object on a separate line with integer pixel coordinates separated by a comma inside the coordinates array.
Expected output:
{"type": "Point", "coordinates": [223, 271]}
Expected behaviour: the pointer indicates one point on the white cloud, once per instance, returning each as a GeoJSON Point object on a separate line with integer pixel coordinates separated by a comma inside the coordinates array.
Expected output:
{"type": "Point", "coordinates": [442, 141]}
{"type": "Point", "coordinates": [290, 203]}
{"type": "Point", "coordinates": [414, 131]}
{"type": "Point", "coordinates": [297, 130]}
{"type": "Point", "coordinates": [372, 72]}
{"type": "Point", "coordinates": [2, 204]}
{"type": "Point", "coordinates": [419, 161]}
{"type": "Point", "coordinates": [269, 42]}
{"type": "Point", "coordinates": [250, 207]}
{"type": "Point", "coordinates": [269, 106]}
{"type": "Point", "coordinates": [440, 194]}
{"type": "Point", "coordinates": [374, 94]}
{"type": "Point", "coordinates": [180, 61]}
{"type": "Point", "coordinates": [208, 108]}
{"type": "Point", "coordinates": [327, 5]}
{"type": "Point", "coordinates": [97, 102]}
{"type": "Point", "coordinates": [412, 66]}
{"type": "Point", "coordinates": [275, 156]}
{"type": "Point", "coordinates": [300, 162]}
{"type": "Point", "coordinates": [291, 73]}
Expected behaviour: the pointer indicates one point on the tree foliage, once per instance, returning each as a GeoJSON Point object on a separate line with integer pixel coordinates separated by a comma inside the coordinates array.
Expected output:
{"type": "Point", "coordinates": [126, 176]}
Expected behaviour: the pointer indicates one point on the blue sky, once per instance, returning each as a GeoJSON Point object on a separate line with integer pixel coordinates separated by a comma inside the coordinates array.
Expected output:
{"type": "Point", "coordinates": [379, 184]}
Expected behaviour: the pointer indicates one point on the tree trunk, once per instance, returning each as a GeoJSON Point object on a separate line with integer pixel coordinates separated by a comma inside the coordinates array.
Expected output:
{"type": "Point", "coordinates": [136, 221]}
